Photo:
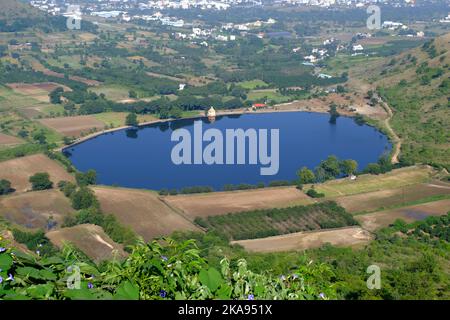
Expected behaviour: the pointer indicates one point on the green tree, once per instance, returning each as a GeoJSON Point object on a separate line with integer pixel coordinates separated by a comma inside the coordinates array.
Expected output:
{"type": "Point", "coordinates": [132, 94]}
{"type": "Point", "coordinates": [330, 168]}
{"type": "Point", "coordinates": [67, 187]}
{"type": "Point", "coordinates": [131, 119]}
{"type": "Point", "coordinates": [349, 166]}
{"type": "Point", "coordinates": [87, 178]}
{"type": "Point", "coordinates": [41, 181]}
{"type": "Point", "coordinates": [83, 198]}
{"type": "Point", "coordinates": [306, 176]}
{"type": "Point", "coordinates": [40, 137]}
{"type": "Point", "coordinates": [5, 186]}
{"type": "Point", "coordinates": [55, 95]}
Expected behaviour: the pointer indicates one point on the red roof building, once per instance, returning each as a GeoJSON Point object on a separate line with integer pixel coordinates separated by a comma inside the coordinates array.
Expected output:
{"type": "Point", "coordinates": [259, 105]}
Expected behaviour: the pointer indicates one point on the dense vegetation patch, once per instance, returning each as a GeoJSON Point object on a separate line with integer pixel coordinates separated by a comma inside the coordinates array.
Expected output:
{"type": "Point", "coordinates": [271, 222]}
{"type": "Point", "coordinates": [172, 270]}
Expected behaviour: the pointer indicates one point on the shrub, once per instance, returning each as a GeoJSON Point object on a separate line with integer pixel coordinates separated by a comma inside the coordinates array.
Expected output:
{"type": "Point", "coordinates": [84, 198]}
{"type": "Point", "coordinates": [314, 194]}
{"type": "Point", "coordinates": [41, 181]}
{"type": "Point", "coordinates": [5, 186]}
{"type": "Point", "coordinates": [85, 179]}
{"type": "Point", "coordinates": [67, 187]}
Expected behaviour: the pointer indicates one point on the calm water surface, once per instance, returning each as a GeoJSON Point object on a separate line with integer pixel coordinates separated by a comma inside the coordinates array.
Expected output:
{"type": "Point", "coordinates": [141, 158]}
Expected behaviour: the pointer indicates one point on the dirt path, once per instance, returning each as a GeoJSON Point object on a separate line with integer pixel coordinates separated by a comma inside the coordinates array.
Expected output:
{"type": "Point", "coordinates": [395, 138]}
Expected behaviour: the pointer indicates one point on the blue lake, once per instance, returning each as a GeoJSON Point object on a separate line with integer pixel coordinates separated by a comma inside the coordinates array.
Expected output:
{"type": "Point", "coordinates": [141, 157]}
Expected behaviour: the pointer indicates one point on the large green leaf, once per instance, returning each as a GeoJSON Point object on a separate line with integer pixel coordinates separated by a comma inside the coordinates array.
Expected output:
{"type": "Point", "coordinates": [127, 291]}
{"type": "Point", "coordinates": [47, 275]}
{"type": "Point", "coordinates": [40, 291]}
{"type": "Point", "coordinates": [5, 261]}
{"type": "Point", "coordinates": [79, 294]}
{"type": "Point", "coordinates": [28, 272]}
{"type": "Point", "coordinates": [34, 273]}
{"type": "Point", "coordinates": [224, 292]}
{"type": "Point", "coordinates": [211, 278]}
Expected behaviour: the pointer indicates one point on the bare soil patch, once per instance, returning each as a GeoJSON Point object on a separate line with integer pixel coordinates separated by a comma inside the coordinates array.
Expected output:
{"type": "Point", "coordinates": [7, 140]}
{"type": "Point", "coordinates": [34, 209]}
{"type": "Point", "coordinates": [19, 170]}
{"type": "Point", "coordinates": [142, 211]}
{"type": "Point", "coordinates": [90, 239]}
{"type": "Point", "coordinates": [381, 219]}
{"type": "Point", "coordinates": [351, 236]}
{"type": "Point", "coordinates": [73, 126]}
{"type": "Point", "coordinates": [348, 104]}
{"type": "Point", "coordinates": [218, 203]}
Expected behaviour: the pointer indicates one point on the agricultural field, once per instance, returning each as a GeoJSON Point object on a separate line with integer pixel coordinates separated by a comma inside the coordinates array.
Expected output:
{"type": "Point", "coordinates": [271, 222]}
{"type": "Point", "coordinates": [19, 170]}
{"type": "Point", "coordinates": [268, 94]}
{"type": "Point", "coordinates": [73, 126]}
{"type": "Point", "coordinates": [300, 241]}
{"type": "Point", "coordinates": [377, 220]}
{"type": "Point", "coordinates": [219, 203]}
{"type": "Point", "coordinates": [377, 200]}
{"type": "Point", "coordinates": [9, 99]}
{"type": "Point", "coordinates": [367, 183]}
{"type": "Point", "coordinates": [8, 141]}
{"type": "Point", "coordinates": [36, 210]}
{"type": "Point", "coordinates": [37, 91]}
{"type": "Point", "coordinates": [90, 239]}
{"type": "Point", "coordinates": [142, 211]}
{"type": "Point", "coordinates": [117, 119]}
{"type": "Point", "coordinates": [115, 92]}
{"type": "Point", "coordinates": [252, 84]}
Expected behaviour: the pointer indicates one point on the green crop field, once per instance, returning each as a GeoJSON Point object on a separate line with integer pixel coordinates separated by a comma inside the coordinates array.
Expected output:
{"type": "Point", "coordinates": [271, 222]}
{"type": "Point", "coordinates": [367, 183]}
{"type": "Point", "coordinates": [252, 84]}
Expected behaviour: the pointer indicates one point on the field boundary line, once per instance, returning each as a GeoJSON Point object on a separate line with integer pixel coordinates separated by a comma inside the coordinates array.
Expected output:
{"type": "Point", "coordinates": [181, 213]}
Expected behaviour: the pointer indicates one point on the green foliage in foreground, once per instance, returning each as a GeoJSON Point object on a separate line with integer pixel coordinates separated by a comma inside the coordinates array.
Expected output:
{"type": "Point", "coordinates": [158, 270]}
{"type": "Point", "coordinates": [413, 259]}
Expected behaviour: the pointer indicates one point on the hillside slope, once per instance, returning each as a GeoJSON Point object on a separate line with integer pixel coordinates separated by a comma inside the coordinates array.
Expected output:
{"type": "Point", "coordinates": [416, 86]}
{"type": "Point", "coordinates": [16, 16]}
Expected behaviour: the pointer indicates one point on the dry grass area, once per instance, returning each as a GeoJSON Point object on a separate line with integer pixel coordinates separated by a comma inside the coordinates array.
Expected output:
{"type": "Point", "coordinates": [218, 203]}
{"type": "Point", "coordinates": [377, 220]}
{"type": "Point", "coordinates": [19, 170]}
{"type": "Point", "coordinates": [371, 201]}
{"type": "Point", "coordinates": [345, 103]}
{"type": "Point", "coordinates": [368, 183]}
{"type": "Point", "coordinates": [38, 91]}
{"type": "Point", "coordinates": [142, 211]}
{"type": "Point", "coordinates": [351, 236]}
{"type": "Point", "coordinates": [73, 126]}
{"type": "Point", "coordinates": [7, 140]}
{"type": "Point", "coordinates": [90, 239]}
{"type": "Point", "coordinates": [34, 209]}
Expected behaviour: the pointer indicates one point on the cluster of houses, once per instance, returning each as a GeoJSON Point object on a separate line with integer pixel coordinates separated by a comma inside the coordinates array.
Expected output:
{"type": "Point", "coordinates": [226, 32]}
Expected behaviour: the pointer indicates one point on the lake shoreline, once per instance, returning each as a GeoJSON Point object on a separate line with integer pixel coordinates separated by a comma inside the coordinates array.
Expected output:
{"type": "Point", "coordinates": [218, 114]}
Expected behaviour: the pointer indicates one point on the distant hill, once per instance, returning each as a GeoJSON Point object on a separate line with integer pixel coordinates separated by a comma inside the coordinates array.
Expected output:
{"type": "Point", "coordinates": [14, 9]}
{"type": "Point", "coordinates": [416, 85]}
{"type": "Point", "coordinates": [18, 15]}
